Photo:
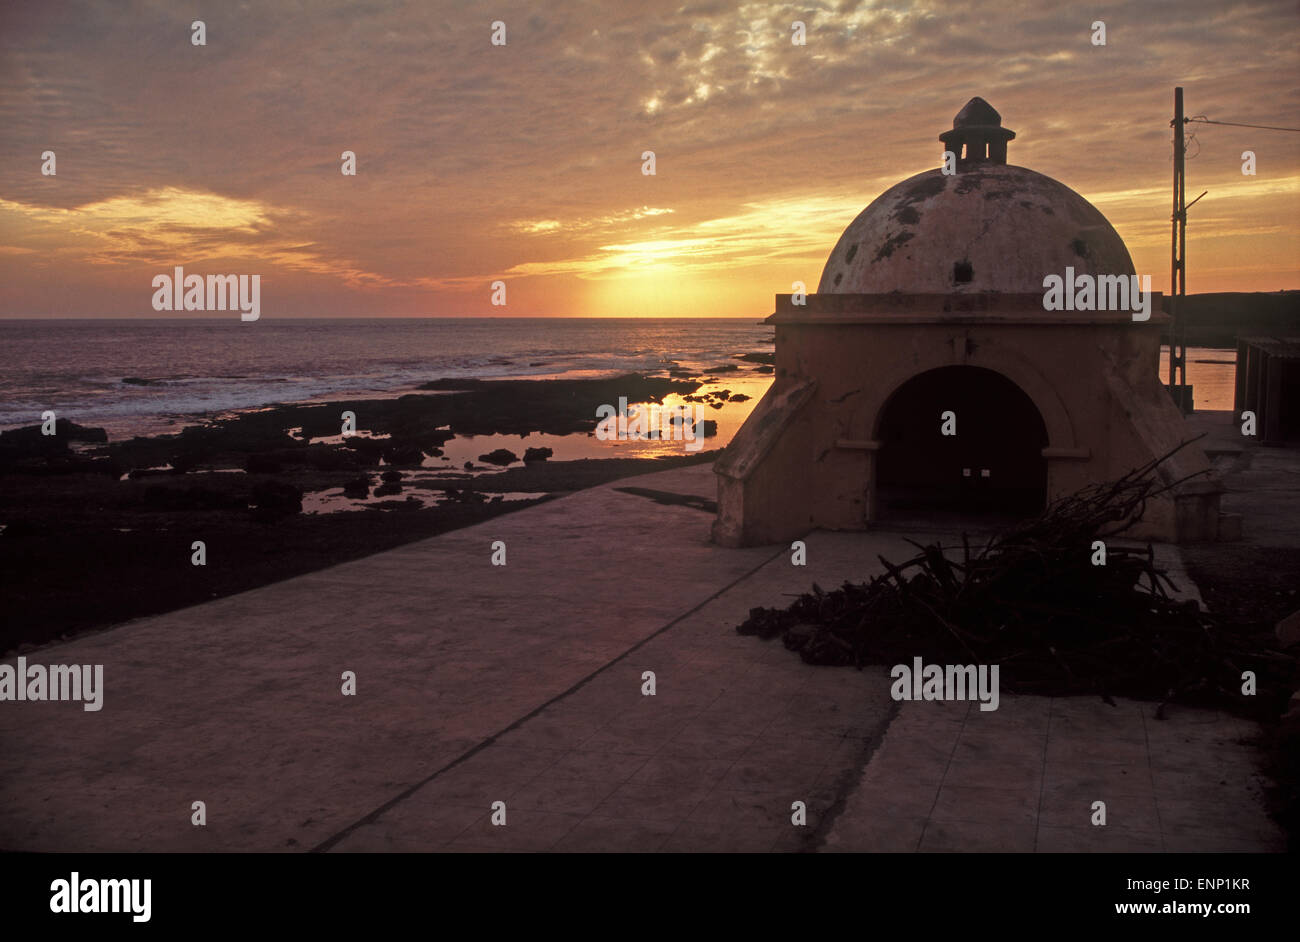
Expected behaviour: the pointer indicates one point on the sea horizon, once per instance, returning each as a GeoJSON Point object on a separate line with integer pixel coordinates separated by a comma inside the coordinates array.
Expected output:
{"type": "Point", "coordinates": [157, 375]}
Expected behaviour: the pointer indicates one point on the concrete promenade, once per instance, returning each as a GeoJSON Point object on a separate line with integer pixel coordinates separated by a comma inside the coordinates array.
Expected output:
{"type": "Point", "coordinates": [522, 684]}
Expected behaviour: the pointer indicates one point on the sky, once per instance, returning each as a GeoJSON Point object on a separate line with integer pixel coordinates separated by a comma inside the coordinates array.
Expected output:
{"type": "Point", "coordinates": [522, 162]}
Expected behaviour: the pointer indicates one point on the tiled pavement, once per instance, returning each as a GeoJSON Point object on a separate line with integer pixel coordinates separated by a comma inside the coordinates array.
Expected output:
{"type": "Point", "coordinates": [1025, 778]}
{"type": "Point", "coordinates": [523, 685]}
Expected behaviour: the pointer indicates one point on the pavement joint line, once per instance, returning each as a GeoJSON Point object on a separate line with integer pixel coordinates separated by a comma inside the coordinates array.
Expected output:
{"type": "Point", "coordinates": [849, 779]}
{"type": "Point", "coordinates": [1151, 773]}
{"type": "Point", "coordinates": [943, 779]}
{"type": "Point", "coordinates": [387, 806]}
{"type": "Point", "coordinates": [1042, 785]}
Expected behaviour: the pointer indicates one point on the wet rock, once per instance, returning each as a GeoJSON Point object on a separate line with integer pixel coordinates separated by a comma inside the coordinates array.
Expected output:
{"type": "Point", "coordinates": [388, 490]}
{"type": "Point", "coordinates": [536, 454]}
{"type": "Point", "coordinates": [139, 381]}
{"type": "Point", "coordinates": [392, 477]}
{"type": "Point", "coordinates": [738, 397]}
{"type": "Point", "coordinates": [768, 358]}
{"type": "Point", "coordinates": [501, 456]}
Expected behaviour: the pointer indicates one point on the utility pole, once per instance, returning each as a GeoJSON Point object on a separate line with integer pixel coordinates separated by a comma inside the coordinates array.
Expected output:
{"type": "Point", "coordinates": [1178, 264]}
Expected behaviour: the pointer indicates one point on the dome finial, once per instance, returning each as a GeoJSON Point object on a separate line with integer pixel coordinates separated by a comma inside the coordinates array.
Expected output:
{"type": "Point", "coordinates": [977, 134]}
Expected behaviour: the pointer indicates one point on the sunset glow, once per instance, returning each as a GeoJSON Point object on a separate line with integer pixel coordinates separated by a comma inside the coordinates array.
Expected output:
{"type": "Point", "coordinates": [523, 163]}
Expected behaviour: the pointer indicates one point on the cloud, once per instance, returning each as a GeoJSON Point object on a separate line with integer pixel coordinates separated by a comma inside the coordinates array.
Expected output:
{"type": "Point", "coordinates": [475, 161]}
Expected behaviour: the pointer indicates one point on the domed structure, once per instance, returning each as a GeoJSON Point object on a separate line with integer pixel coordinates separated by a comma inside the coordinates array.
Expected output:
{"type": "Point", "coordinates": [987, 227]}
{"type": "Point", "coordinates": [930, 374]}
{"type": "Point", "coordinates": [991, 228]}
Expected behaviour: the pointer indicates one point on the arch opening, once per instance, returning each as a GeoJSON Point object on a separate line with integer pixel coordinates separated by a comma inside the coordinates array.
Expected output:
{"type": "Point", "coordinates": [992, 466]}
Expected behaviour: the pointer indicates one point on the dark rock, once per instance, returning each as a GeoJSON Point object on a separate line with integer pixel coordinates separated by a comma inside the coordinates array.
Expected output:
{"type": "Point", "coordinates": [739, 397]}
{"type": "Point", "coordinates": [329, 458]}
{"type": "Point", "coordinates": [392, 477]}
{"type": "Point", "coordinates": [261, 464]}
{"type": "Point", "coordinates": [372, 448]}
{"type": "Point", "coordinates": [109, 466]}
{"type": "Point", "coordinates": [707, 428]}
{"type": "Point", "coordinates": [769, 358]}
{"type": "Point", "coordinates": [469, 466]}
{"type": "Point", "coordinates": [168, 497]}
{"type": "Point", "coordinates": [536, 454]}
{"type": "Point", "coordinates": [29, 440]}
{"type": "Point", "coordinates": [501, 456]}
{"type": "Point", "coordinates": [184, 462]}
{"type": "Point", "coordinates": [465, 496]}
{"type": "Point", "coordinates": [138, 473]}
{"type": "Point", "coordinates": [358, 488]}
{"type": "Point", "coordinates": [137, 381]}
{"type": "Point", "coordinates": [275, 498]}
{"type": "Point", "coordinates": [19, 529]}
{"type": "Point", "coordinates": [403, 454]}
{"type": "Point", "coordinates": [388, 490]}
{"type": "Point", "coordinates": [766, 369]}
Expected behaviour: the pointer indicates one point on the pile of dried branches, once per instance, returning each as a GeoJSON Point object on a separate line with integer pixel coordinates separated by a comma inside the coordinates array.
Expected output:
{"type": "Point", "coordinates": [1033, 602]}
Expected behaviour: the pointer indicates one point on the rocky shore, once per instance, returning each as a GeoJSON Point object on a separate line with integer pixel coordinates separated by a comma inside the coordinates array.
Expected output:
{"type": "Point", "coordinates": [98, 532]}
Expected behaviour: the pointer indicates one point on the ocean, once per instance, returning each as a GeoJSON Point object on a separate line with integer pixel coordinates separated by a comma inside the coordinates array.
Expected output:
{"type": "Point", "coordinates": [195, 368]}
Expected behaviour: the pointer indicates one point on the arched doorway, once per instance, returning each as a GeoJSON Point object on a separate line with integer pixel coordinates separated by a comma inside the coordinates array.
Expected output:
{"type": "Point", "coordinates": [993, 465]}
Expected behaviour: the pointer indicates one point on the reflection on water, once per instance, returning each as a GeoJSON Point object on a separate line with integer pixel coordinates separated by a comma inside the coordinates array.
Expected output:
{"type": "Point", "coordinates": [467, 448]}
{"type": "Point", "coordinates": [333, 500]}
{"type": "Point", "coordinates": [1212, 374]}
